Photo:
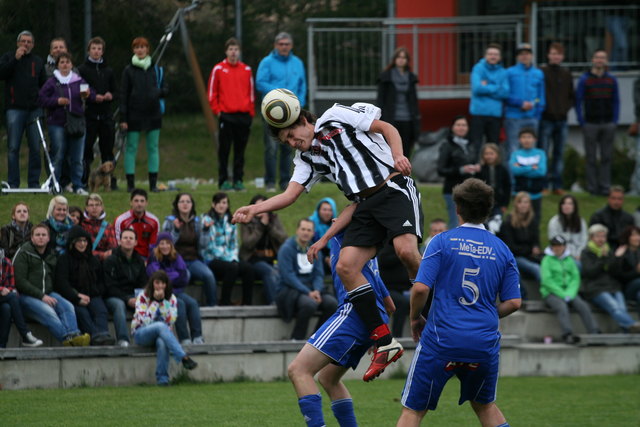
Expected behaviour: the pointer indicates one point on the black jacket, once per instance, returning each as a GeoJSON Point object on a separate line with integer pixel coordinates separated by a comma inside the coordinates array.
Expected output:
{"type": "Point", "coordinates": [625, 268]}
{"type": "Point", "coordinates": [78, 272]}
{"type": "Point", "coordinates": [558, 86]}
{"type": "Point", "coordinates": [452, 157]}
{"type": "Point", "coordinates": [615, 221]}
{"type": "Point", "coordinates": [520, 240]}
{"type": "Point", "coordinates": [23, 78]}
{"type": "Point", "coordinates": [140, 98]}
{"type": "Point", "coordinates": [122, 276]}
{"type": "Point", "coordinates": [102, 80]}
{"type": "Point", "coordinates": [11, 238]}
{"type": "Point", "coordinates": [501, 184]}
{"type": "Point", "coordinates": [386, 98]}
{"type": "Point", "coordinates": [596, 274]}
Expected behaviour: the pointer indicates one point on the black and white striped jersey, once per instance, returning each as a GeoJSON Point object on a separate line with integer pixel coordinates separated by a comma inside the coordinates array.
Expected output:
{"type": "Point", "coordinates": [345, 151]}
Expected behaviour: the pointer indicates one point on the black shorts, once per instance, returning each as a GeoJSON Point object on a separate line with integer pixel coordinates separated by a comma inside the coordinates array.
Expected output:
{"type": "Point", "coordinates": [393, 210]}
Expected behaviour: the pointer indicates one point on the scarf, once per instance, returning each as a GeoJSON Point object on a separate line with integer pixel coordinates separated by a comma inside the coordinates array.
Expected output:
{"type": "Point", "coordinates": [99, 61]}
{"type": "Point", "coordinates": [597, 249]}
{"type": "Point", "coordinates": [64, 80]}
{"type": "Point", "coordinates": [461, 142]}
{"type": "Point", "coordinates": [61, 229]}
{"type": "Point", "coordinates": [144, 63]}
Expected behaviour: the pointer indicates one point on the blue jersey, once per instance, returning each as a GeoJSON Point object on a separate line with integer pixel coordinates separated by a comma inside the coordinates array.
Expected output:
{"type": "Point", "coordinates": [467, 268]}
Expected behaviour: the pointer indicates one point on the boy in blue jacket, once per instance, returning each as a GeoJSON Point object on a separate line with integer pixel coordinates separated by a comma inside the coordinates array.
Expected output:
{"type": "Point", "coordinates": [529, 168]}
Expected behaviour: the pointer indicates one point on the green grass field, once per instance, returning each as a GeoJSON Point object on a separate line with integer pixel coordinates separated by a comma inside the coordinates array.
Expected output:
{"type": "Point", "coordinates": [580, 401]}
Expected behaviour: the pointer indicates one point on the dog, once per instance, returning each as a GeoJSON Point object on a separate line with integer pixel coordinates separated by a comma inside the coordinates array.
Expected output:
{"type": "Point", "coordinates": [101, 176]}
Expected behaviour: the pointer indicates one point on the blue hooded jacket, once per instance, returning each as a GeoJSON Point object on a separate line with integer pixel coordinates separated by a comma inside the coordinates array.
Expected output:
{"type": "Point", "coordinates": [276, 71]}
{"type": "Point", "coordinates": [486, 100]}
{"type": "Point", "coordinates": [525, 84]}
{"type": "Point", "coordinates": [320, 227]}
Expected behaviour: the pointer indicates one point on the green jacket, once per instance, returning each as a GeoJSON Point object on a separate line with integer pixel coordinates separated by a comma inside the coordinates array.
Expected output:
{"type": "Point", "coordinates": [559, 276]}
{"type": "Point", "coordinates": [34, 272]}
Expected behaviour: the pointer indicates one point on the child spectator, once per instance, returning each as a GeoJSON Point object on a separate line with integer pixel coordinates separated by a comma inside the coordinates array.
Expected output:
{"type": "Point", "coordinates": [627, 264]}
{"type": "Point", "coordinates": [559, 286]}
{"type": "Point", "coordinates": [10, 307]}
{"type": "Point", "coordinates": [165, 257]}
{"type": "Point", "coordinates": [18, 231]}
{"type": "Point", "coordinates": [103, 235]}
{"type": "Point", "coordinates": [322, 218]}
{"type": "Point", "coordinates": [80, 280]}
{"type": "Point", "coordinates": [493, 172]}
{"type": "Point", "coordinates": [152, 325]}
{"type": "Point", "coordinates": [600, 286]}
{"type": "Point", "coordinates": [59, 224]}
{"type": "Point", "coordinates": [529, 169]}
{"type": "Point", "coordinates": [568, 224]}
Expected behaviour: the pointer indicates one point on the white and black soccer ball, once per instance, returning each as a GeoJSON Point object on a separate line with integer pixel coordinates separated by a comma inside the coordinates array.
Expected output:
{"type": "Point", "coordinates": [280, 108]}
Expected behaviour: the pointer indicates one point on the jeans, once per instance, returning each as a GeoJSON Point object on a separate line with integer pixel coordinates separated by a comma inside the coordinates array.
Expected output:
{"type": "Point", "coordinates": [92, 318]}
{"type": "Point", "coordinates": [19, 121]}
{"type": "Point", "coordinates": [632, 292]}
{"type": "Point", "coordinates": [60, 320]}
{"type": "Point", "coordinates": [229, 271]}
{"type": "Point", "coordinates": [305, 308]}
{"type": "Point", "coordinates": [188, 310]}
{"type": "Point", "coordinates": [65, 149]}
{"type": "Point", "coordinates": [554, 132]}
{"type": "Point", "coordinates": [598, 137]}
{"type": "Point", "coordinates": [512, 127]}
{"type": "Point", "coordinates": [451, 211]}
{"type": "Point", "coordinates": [634, 183]}
{"type": "Point", "coordinates": [118, 309]}
{"type": "Point", "coordinates": [5, 324]}
{"type": "Point", "coordinates": [271, 146]}
{"type": "Point", "coordinates": [270, 277]}
{"type": "Point", "coordinates": [10, 309]}
{"type": "Point", "coordinates": [561, 308]}
{"type": "Point", "coordinates": [614, 304]}
{"type": "Point", "coordinates": [532, 268]}
{"type": "Point", "coordinates": [199, 271]}
{"type": "Point", "coordinates": [160, 335]}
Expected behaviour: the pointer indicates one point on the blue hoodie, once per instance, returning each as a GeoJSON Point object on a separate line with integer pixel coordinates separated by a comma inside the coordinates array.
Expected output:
{"type": "Point", "coordinates": [486, 100]}
{"type": "Point", "coordinates": [276, 71]}
{"type": "Point", "coordinates": [320, 227]}
{"type": "Point", "coordinates": [525, 84]}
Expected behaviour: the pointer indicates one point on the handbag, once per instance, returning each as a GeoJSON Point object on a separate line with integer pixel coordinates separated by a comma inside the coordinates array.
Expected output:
{"type": "Point", "coordinates": [75, 125]}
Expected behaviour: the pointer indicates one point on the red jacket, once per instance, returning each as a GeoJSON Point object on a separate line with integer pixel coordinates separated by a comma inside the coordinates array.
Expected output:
{"type": "Point", "coordinates": [108, 240]}
{"type": "Point", "coordinates": [146, 228]}
{"type": "Point", "coordinates": [231, 88]}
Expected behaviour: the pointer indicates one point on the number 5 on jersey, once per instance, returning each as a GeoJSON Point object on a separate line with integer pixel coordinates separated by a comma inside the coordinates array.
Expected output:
{"type": "Point", "coordinates": [468, 284]}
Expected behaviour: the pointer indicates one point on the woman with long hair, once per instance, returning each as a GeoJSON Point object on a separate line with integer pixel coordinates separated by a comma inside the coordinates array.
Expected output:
{"type": "Point", "coordinates": [493, 172]}
{"type": "Point", "coordinates": [59, 224]}
{"type": "Point", "coordinates": [568, 224]}
{"type": "Point", "coordinates": [18, 231]}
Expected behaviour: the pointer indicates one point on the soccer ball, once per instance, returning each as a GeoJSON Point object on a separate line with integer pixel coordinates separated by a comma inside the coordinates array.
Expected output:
{"type": "Point", "coordinates": [280, 108]}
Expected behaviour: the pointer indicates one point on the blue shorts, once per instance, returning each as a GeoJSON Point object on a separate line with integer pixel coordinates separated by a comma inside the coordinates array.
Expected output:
{"type": "Point", "coordinates": [428, 375]}
{"type": "Point", "coordinates": [343, 337]}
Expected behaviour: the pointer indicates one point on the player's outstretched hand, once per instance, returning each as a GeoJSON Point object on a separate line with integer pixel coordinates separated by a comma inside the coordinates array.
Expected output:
{"type": "Point", "coordinates": [312, 252]}
{"type": "Point", "coordinates": [402, 165]}
{"type": "Point", "coordinates": [416, 328]}
{"type": "Point", "coordinates": [243, 215]}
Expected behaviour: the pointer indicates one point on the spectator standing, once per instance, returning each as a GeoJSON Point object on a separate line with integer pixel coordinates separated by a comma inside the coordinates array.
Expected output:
{"type": "Point", "coordinates": [57, 46]}
{"type": "Point", "coordinates": [633, 131]}
{"type": "Point", "coordinates": [190, 239]}
{"type": "Point", "coordinates": [322, 218]}
{"type": "Point", "coordinates": [489, 89]}
{"type": "Point", "coordinates": [398, 98]}
{"type": "Point", "coordinates": [262, 237]}
{"type": "Point", "coordinates": [103, 235]}
{"type": "Point", "coordinates": [145, 224]}
{"type": "Point", "coordinates": [496, 176]}
{"type": "Point", "coordinates": [529, 168]}
{"type": "Point", "coordinates": [558, 86]}
{"type": "Point", "coordinates": [597, 111]}
{"type": "Point", "coordinates": [570, 226]}
{"type": "Point", "coordinates": [231, 98]}
{"type": "Point", "coordinates": [79, 280]}
{"type": "Point", "coordinates": [59, 223]}
{"type": "Point", "coordinates": [24, 74]}
{"type": "Point", "coordinates": [559, 286]}
{"type": "Point", "coordinates": [63, 95]}
{"type": "Point", "coordinates": [456, 162]}
{"type": "Point", "coordinates": [436, 226]}
{"type": "Point", "coordinates": [526, 100]}
{"type": "Point", "coordinates": [34, 266]}
{"type": "Point", "coordinates": [124, 272]}
{"type": "Point", "coordinates": [142, 90]}
{"type": "Point", "coordinates": [17, 232]}
{"type": "Point", "coordinates": [613, 216]}
{"type": "Point", "coordinates": [627, 264]}
{"type": "Point", "coordinates": [600, 286]}
{"type": "Point", "coordinates": [99, 114]}
{"type": "Point", "coordinates": [280, 69]}
{"type": "Point", "coordinates": [302, 290]}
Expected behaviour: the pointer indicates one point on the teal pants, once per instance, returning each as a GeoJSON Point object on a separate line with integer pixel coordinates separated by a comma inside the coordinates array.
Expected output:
{"type": "Point", "coordinates": [153, 155]}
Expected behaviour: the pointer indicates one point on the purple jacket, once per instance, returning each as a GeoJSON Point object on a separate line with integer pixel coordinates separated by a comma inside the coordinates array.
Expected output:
{"type": "Point", "coordinates": [176, 270]}
{"type": "Point", "coordinates": [52, 90]}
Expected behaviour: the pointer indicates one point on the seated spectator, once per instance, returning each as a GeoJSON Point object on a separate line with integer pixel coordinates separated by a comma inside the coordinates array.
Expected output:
{"type": "Point", "coordinates": [599, 284]}
{"type": "Point", "coordinates": [322, 218]}
{"type": "Point", "coordinates": [59, 224]}
{"type": "Point", "coordinates": [529, 169]}
{"type": "Point", "coordinates": [302, 291]}
{"type": "Point", "coordinates": [10, 307]}
{"type": "Point", "coordinates": [34, 266]}
{"type": "Point", "coordinates": [559, 286]}
{"type": "Point", "coordinates": [627, 264]}
{"type": "Point", "coordinates": [79, 279]}
{"type": "Point", "coordinates": [152, 325]}
{"type": "Point", "coordinates": [395, 277]}
{"type": "Point", "coordinates": [520, 232]}
{"type": "Point", "coordinates": [456, 162]}
{"type": "Point", "coordinates": [568, 224]}
{"type": "Point", "coordinates": [165, 257]}
{"type": "Point", "coordinates": [17, 232]}
{"type": "Point", "coordinates": [186, 229]}
{"type": "Point", "coordinates": [493, 172]}
{"type": "Point", "coordinates": [221, 251]}
{"type": "Point", "coordinates": [261, 240]}
{"type": "Point", "coordinates": [103, 235]}
{"type": "Point", "coordinates": [613, 216]}
{"type": "Point", "coordinates": [436, 226]}
{"type": "Point", "coordinates": [124, 272]}
{"type": "Point", "coordinates": [75, 213]}
{"type": "Point", "coordinates": [145, 224]}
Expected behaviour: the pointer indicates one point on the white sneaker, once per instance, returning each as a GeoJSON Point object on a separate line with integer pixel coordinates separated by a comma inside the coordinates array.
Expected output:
{"type": "Point", "coordinates": [31, 341]}
{"type": "Point", "coordinates": [198, 340]}
{"type": "Point", "coordinates": [82, 192]}
{"type": "Point", "coordinates": [123, 343]}
{"type": "Point", "coordinates": [68, 188]}
{"type": "Point", "coordinates": [185, 342]}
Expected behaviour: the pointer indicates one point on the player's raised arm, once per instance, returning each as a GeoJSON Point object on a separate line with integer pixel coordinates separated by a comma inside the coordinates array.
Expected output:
{"type": "Point", "coordinates": [391, 135]}
{"type": "Point", "coordinates": [282, 200]}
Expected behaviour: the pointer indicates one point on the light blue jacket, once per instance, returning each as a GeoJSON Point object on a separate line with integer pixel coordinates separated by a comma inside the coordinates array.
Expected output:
{"type": "Point", "coordinates": [276, 71]}
{"type": "Point", "coordinates": [486, 100]}
{"type": "Point", "coordinates": [525, 84]}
